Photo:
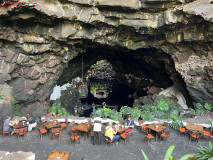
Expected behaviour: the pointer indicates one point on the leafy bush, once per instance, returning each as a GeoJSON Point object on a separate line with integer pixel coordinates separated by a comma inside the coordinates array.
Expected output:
{"type": "Point", "coordinates": [2, 96]}
{"type": "Point", "coordinates": [192, 111]}
{"type": "Point", "coordinates": [57, 109]}
{"type": "Point", "coordinates": [16, 107]}
{"type": "Point", "coordinates": [168, 155]}
{"type": "Point", "coordinates": [163, 110]}
{"type": "Point", "coordinates": [198, 106]}
{"type": "Point", "coordinates": [107, 113]}
{"type": "Point", "coordinates": [125, 110]}
{"type": "Point", "coordinates": [147, 116]}
{"type": "Point", "coordinates": [208, 106]}
{"type": "Point", "coordinates": [174, 125]}
{"type": "Point", "coordinates": [205, 153]}
{"type": "Point", "coordinates": [163, 104]}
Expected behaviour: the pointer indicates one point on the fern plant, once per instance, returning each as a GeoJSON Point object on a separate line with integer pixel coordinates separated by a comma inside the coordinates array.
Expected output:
{"type": "Point", "coordinates": [205, 153]}
{"type": "Point", "coordinates": [16, 107]}
{"type": "Point", "coordinates": [57, 109]}
{"type": "Point", "coordinates": [168, 155]}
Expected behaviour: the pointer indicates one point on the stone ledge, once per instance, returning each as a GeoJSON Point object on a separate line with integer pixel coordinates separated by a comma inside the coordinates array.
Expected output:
{"type": "Point", "coordinates": [19, 155]}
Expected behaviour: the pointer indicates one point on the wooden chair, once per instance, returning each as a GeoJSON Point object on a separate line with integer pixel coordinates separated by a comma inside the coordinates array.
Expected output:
{"type": "Point", "coordinates": [125, 137]}
{"type": "Point", "coordinates": [41, 132]}
{"type": "Point", "coordinates": [194, 134]}
{"type": "Point", "coordinates": [63, 125]}
{"type": "Point", "coordinates": [165, 135]}
{"type": "Point", "coordinates": [182, 130]}
{"type": "Point", "coordinates": [21, 132]}
{"type": "Point", "coordinates": [207, 134]}
{"type": "Point", "coordinates": [74, 136]}
{"type": "Point", "coordinates": [108, 140]}
{"type": "Point", "coordinates": [5, 133]}
{"type": "Point", "coordinates": [55, 132]}
{"type": "Point", "coordinates": [148, 137]}
{"type": "Point", "coordinates": [144, 128]}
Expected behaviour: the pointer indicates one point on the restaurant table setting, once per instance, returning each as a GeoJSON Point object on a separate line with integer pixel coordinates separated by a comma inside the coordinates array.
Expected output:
{"type": "Point", "coordinates": [158, 128]}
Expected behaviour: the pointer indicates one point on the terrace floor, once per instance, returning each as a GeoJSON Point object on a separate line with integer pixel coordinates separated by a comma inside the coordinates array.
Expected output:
{"type": "Point", "coordinates": [86, 150]}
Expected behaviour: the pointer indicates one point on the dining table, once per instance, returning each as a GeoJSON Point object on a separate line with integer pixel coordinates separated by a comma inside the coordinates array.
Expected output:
{"type": "Point", "coordinates": [51, 124]}
{"type": "Point", "coordinates": [20, 124]}
{"type": "Point", "coordinates": [119, 128]}
{"type": "Point", "coordinates": [193, 127]}
{"type": "Point", "coordinates": [59, 155]}
{"type": "Point", "coordinates": [158, 128]}
{"type": "Point", "coordinates": [84, 127]}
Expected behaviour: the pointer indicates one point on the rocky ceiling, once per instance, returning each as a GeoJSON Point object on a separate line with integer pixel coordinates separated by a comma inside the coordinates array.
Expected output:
{"type": "Point", "coordinates": [38, 42]}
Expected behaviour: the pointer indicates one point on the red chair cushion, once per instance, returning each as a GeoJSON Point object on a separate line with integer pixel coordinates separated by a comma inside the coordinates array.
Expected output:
{"type": "Point", "coordinates": [20, 133]}
{"type": "Point", "coordinates": [123, 135]}
{"type": "Point", "coordinates": [194, 135]}
{"type": "Point", "coordinates": [149, 136]}
{"type": "Point", "coordinates": [165, 135]}
{"type": "Point", "coordinates": [63, 125]}
{"type": "Point", "coordinates": [75, 137]}
{"type": "Point", "coordinates": [56, 133]}
{"type": "Point", "coordinates": [206, 133]}
{"type": "Point", "coordinates": [43, 130]}
{"type": "Point", "coordinates": [144, 127]}
{"type": "Point", "coordinates": [182, 129]}
{"type": "Point", "coordinates": [4, 132]}
{"type": "Point", "coordinates": [73, 129]}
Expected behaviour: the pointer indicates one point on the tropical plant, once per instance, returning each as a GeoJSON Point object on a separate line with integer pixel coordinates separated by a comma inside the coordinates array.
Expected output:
{"type": "Point", "coordinates": [16, 107]}
{"type": "Point", "coordinates": [116, 116]}
{"type": "Point", "coordinates": [163, 104]}
{"type": "Point", "coordinates": [168, 155]}
{"type": "Point", "coordinates": [135, 113]}
{"type": "Point", "coordinates": [198, 106]}
{"type": "Point", "coordinates": [192, 111]}
{"type": "Point", "coordinates": [174, 125]}
{"type": "Point", "coordinates": [208, 106]}
{"type": "Point", "coordinates": [205, 153]}
{"type": "Point", "coordinates": [147, 116]}
{"type": "Point", "coordinates": [57, 109]}
{"type": "Point", "coordinates": [107, 113]}
{"type": "Point", "coordinates": [125, 110]}
{"type": "Point", "coordinates": [2, 96]}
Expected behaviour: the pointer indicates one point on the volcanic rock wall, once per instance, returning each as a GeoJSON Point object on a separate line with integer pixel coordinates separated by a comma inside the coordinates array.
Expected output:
{"type": "Point", "coordinates": [38, 42]}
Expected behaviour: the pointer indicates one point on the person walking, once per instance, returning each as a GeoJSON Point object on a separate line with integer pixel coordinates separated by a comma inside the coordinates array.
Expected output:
{"type": "Point", "coordinates": [97, 129]}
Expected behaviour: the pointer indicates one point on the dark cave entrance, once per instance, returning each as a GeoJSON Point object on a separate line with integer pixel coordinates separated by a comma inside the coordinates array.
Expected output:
{"type": "Point", "coordinates": [135, 72]}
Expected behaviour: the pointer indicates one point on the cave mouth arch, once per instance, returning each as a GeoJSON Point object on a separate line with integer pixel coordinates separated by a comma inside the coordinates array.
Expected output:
{"type": "Point", "coordinates": [135, 72]}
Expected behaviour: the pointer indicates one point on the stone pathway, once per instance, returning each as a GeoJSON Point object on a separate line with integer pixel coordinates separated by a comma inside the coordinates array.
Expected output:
{"type": "Point", "coordinates": [130, 151]}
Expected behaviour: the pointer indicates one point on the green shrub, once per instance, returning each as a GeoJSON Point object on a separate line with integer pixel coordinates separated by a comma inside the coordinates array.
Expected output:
{"type": "Point", "coordinates": [168, 155]}
{"type": "Point", "coordinates": [163, 104]}
{"type": "Point", "coordinates": [208, 106]}
{"type": "Point", "coordinates": [205, 153]}
{"type": "Point", "coordinates": [125, 110]}
{"type": "Point", "coordinates": [198, 106]}
{"type": "Point", "coordinates": [16, 107]}
{"type": "Point", "coordinates": [57, 109]}
{"type": "Point", "coordinates": [174, 125]}
{"type": "Point", "coordinates": [192, 111]}
{"type": "Point", "coordinates": [2, 96]}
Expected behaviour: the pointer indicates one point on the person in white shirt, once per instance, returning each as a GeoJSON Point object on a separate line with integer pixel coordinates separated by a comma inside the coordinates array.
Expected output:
{"type": "Point", "coordinates": [97, 129]}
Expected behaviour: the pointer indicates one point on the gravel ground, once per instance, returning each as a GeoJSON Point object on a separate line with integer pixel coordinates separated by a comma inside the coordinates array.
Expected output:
{"type": "Point", "coordinates": [130, 151]}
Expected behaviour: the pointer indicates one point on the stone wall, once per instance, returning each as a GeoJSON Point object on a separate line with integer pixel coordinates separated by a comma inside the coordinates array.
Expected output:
{"type": "Point", "coordinates": [37, 43]}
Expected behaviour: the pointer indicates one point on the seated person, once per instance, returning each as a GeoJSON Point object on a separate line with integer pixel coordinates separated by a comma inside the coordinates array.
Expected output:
{"type": "Point", "coordinates": [32, 122]}
{"type": "Point", "coordinates": [129, 124]}
{"type": "Point", "coordinates": [109, 132]}
{"type": "Point", "coordinates": [7, 127]}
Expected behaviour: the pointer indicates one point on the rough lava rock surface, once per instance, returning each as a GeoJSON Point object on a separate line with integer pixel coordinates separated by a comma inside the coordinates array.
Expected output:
{"type": "Point", "coordinates": [37, 43]}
